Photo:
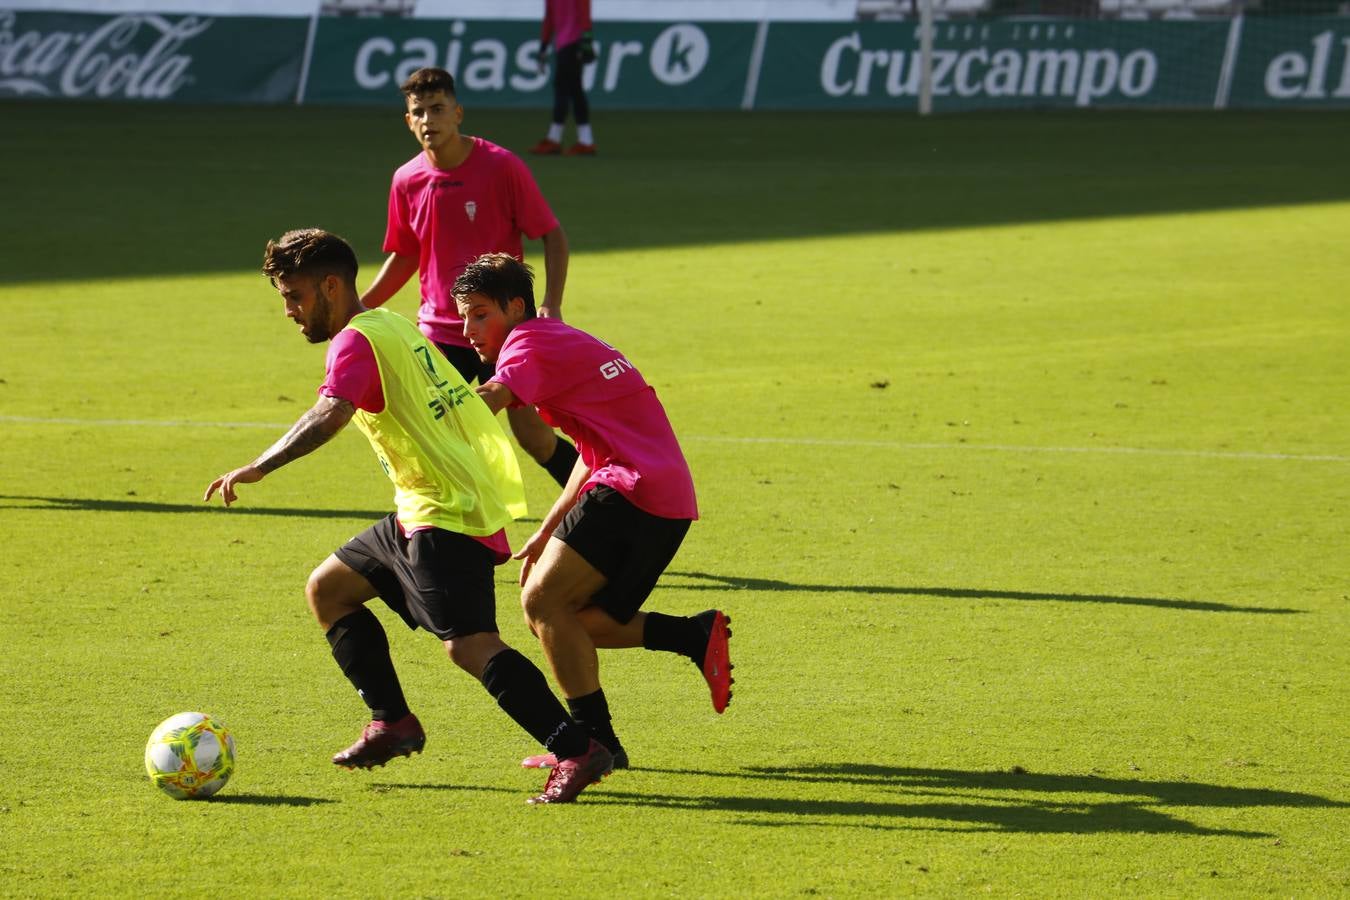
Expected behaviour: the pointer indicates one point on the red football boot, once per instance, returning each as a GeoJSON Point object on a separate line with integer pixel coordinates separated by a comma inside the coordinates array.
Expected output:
{"type": "Point", "coordinates": [717, 661]}
{"type": "Point", "coordinates": [573, 775]}
{"type": "Point", "coordinates": [382, 741]}
{"type": "Point", "coordinates": [548, 760]}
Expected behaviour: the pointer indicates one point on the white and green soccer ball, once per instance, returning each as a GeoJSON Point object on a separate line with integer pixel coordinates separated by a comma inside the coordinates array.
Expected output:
{"type": "Point", "coordinates": [190, 756]}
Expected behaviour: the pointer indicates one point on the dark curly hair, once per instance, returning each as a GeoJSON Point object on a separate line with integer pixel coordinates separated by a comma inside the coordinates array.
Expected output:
{"type": "Point", "coordinates": [311, 252]}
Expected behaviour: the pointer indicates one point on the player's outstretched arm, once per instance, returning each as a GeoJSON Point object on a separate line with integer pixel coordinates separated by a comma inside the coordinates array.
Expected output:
{"type": "Point", "coordinates": [311, 431]}
{"type": "Point", "coordinates": [395, 272]}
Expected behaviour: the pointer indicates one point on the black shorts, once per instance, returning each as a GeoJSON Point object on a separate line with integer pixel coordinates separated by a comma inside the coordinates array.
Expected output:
{"type": "Point", "coordinates": [631, 548]}
{"type": "Point", "coordinates": [436, 579]}
{"type": "Point", "coordinates": [468, 363]}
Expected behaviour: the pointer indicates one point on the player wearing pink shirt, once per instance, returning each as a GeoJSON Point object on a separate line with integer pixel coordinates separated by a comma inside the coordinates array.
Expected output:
{"type": "Point", "coordinates": [625, 509]}
{"type": "Point", "coordinates": [456, 485]}
{"type": "Point", "coordinates": [459, 198]}
{"type": "Point", "coordinates": [567, 26]}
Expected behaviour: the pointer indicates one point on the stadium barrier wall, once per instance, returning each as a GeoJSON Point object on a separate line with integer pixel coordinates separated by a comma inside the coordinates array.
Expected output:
{"type": "Point", "coordinates": [1243, 62]}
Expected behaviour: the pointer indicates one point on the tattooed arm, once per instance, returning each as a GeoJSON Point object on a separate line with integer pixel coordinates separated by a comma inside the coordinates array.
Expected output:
{"type": "Point", "coordinates": [310, 432]}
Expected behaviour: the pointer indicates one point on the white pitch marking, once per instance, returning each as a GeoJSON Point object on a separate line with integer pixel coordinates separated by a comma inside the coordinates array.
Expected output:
{"type": "Point", "coordinates": [795, 442]}
{"type": "Point", "coordinates": [1011, 448]}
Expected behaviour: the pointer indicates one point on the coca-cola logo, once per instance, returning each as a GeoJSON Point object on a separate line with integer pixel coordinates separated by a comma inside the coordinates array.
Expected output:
{"type": "Point", "coordinates": [133, 56]}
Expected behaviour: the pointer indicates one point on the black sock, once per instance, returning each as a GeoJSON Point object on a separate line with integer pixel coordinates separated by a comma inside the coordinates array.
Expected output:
{"type": "Point", "coordinates": [362, 653]}
{"type": "Point", "coordinates": [522, 691]}
{"type": "Point", "coordinates": [592, 713]}
{"type": "Point", "coordinates": [560, 464]}
{"type": "Point", "coordinates": [679, 634]}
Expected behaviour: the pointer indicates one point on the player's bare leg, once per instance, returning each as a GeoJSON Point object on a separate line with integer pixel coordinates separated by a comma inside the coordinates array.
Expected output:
{"type": "Point", "coordinates": [561, 583]}
{"type": "Point", "coordinates": [609, 634]}
{"type": "Point", "coordinates": [336, 590]}
{"type": "Point", "coordinates": [703, 638]}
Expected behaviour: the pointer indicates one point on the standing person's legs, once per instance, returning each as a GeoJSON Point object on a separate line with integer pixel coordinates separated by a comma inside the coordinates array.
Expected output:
{"type": "Point", "coordinates": [574, 89]}
{"type": "Point", "coordinates": [465, 360]}
{"type": "Point", "coordinates": [565, 66]}
{"type": "Point", "coordinates": [556, 454]}
{"type": "Point", "coordinates": [551, 143]}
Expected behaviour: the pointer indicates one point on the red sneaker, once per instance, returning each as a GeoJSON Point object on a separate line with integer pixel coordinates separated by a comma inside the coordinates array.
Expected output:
{"type": "Point", "coordinates": [546, 148]}
{"type": "Point", "coordinates": [580, 150]}
{"type": "Point", "coordinates": [573, 775]}
{"type": "Point", "coordinates": [382, 741]}
{"type": "Point", "coordinates": [717, 661]}
{"type": "Point", "coordinates": [548, 760]}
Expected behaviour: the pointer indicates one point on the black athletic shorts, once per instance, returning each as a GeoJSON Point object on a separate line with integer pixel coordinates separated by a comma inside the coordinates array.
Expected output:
{"type": "Point", "coordinates": [631, 548]}
{"type": "Point", "coordinates": [436, 579]}
{"type": "Point", "coordinates": [468, 363]}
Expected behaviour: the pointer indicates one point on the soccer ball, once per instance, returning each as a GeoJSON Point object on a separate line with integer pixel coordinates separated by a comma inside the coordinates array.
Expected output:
{"type": "Point", "coordinates": [190, 756]}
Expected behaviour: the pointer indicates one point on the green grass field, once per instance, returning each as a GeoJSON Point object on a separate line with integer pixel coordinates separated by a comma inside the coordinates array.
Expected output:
{"type": "Point", "coordinates": [1021, 444]}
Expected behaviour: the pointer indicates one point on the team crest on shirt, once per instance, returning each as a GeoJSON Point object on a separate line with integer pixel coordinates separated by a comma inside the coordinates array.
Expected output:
{"type": "Point", "coordinates": [470, 209]}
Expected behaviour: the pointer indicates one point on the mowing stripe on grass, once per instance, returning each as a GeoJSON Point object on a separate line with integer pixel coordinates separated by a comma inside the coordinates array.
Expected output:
{"type": "Point", "coordinates": [796, 442]}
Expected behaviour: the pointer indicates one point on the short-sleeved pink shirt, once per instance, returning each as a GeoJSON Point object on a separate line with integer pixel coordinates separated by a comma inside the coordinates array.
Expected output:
{"type": "Point", "coordinates": [447, 218]}
{"type": "Point", "coordinates": [588, 389]}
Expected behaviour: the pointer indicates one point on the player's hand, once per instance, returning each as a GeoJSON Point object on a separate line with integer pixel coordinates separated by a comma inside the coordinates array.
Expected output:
{"type": "Point", "coordinates": [543, 59]}
{"type": "Point", "coordinates": [549, 312]}
{"type": "Point", "coordinates": [530, 553]}
{"type": "Point", "coordinates": [249, 474]}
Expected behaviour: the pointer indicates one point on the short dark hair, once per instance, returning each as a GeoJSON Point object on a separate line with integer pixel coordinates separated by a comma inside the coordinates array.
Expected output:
{"type": "Point", "coordinates": [500, 277]}
{"type": "Point", "coordinates": [428, 80]}
{"type": "Point", "coordinates": [311, 252]}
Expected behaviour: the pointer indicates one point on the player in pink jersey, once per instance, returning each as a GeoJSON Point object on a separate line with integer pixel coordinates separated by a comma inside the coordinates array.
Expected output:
{"type": "Point", "coordinates": [567, 26]}
{"type": "Point", "coordinates": [625, 509]}
{"type": "Point", "coordinates": [459, 198]}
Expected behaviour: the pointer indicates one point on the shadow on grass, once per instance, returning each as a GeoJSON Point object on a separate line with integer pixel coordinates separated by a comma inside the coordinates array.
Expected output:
{"type": "Point", "coordinates": [732, 177]}
{"type": "Point", "coordinates": [730, 583]}
{"type": "Point", "coordinates": [269, 800]}
{"type": "Point", "coordinates": [86, 504]}
{"type": "Point", "coordinates": [381, 787]}
{"type": "Point", "coordinates": [956, 800]}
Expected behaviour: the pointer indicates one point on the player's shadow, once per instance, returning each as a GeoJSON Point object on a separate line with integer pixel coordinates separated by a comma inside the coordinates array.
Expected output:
{"type": "Point", "coordinates": [384, 787]}
{"type": "Point", "coordinates": [269, 800]}
{"type": "Point", "coordinates": [905, 798]}
{"type": "Point", "coordinates": [707, 582]}
{"type": "Point", "coordinates": [87, 504]}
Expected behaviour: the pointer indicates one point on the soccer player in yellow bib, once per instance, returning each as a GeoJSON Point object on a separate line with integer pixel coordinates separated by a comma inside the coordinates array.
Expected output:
{"type": "Point", "coordinates": [456, 486]}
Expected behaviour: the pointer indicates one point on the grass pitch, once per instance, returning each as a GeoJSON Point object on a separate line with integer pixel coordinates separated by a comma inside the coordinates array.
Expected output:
{"type": "Point", "coordinates": [1022, 448]}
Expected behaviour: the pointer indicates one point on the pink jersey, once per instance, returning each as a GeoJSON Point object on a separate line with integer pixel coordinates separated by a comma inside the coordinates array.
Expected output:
{"type": "Point", "coordinates": [354, 375]}
{"type": "Point", "coordinates": [565, 21]}
{"type": "Point", "coordinates": [447, 218]}
{"type": "Point", "coordinates": [585, 387]}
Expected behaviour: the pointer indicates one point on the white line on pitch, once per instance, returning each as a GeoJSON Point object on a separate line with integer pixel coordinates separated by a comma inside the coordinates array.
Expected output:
{"type": "Point", "coordinates": [796, 442]}
{"type": "Point", "coordinates": [1011, 448]}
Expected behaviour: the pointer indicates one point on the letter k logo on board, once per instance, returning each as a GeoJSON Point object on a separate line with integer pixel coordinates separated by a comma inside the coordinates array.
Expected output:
{"type": "Point", "coordinates": [679, 54]}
